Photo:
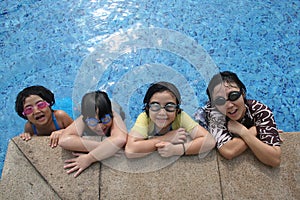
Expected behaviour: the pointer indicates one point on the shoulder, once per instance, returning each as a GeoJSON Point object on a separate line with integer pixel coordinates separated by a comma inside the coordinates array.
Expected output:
{"type": "Point", "coordinates": [60, 113]}
{"type": "Point", "coordinates": [184, 119]}
{"type": "Point", "coordinates": [256, 106]}
{"type": "Point", "coordinates": [142, 121]}
{"type": "Point", "coordinates": [183, 114]}
{"type": "Point", "coordinates": [143, 116]}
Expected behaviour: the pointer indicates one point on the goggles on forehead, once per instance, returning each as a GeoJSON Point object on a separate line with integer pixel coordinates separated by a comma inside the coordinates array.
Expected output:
{"type": "Point", "coordinates": [40, 105]}
{"type": "Point", "coordinates": [232, 96]}
{"type": "Point", "coordinates": [169, 107]}
{"type": "Point", "coordinates": [94, 122]}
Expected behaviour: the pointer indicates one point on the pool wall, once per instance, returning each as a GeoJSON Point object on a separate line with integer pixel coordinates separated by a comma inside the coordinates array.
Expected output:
{"type": "Point", "coordinates": [46, 42]}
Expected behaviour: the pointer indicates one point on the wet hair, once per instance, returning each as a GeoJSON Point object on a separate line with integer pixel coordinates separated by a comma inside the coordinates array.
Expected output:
{"type": "Point", "coordinates": [38, 90]}
{"type": "Point", "coordinates": [227, 77]}
{"type": "Point", "coordinates": [161, 87]}
{"type": "Point", "coordinates": [95, 103]}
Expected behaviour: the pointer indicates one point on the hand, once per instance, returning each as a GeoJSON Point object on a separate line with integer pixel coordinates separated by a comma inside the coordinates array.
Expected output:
{"type": "Point", "coordinates": [80, 163]}
{"type": "Point", "coordinates": [179, 136]}
{"type": "Point", "coordinates": [280, 131]}
{"type": "Point", "coordinates": [25, 136]}
{"type": "Point", "coordinates": [236, 127]}
{"type": "Point", "coordinates": [167, 149]}
{"type": "Point", "coordinates": [253, 131]}
{"type": "Point", "coordinates": [54, 138]}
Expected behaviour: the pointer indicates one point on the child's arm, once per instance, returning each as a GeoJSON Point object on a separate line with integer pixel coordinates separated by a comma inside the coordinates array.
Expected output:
{"type": "Point", "coordinates": [64, 120]}
{"type": "Point", "coordinates": [105, 149]}
{"type": "Point", "coordinates": [138, 146]}
{"type": "Point", "coordinates": [71, 138]}
{"type": "Point", "coordinates": [267, 154]}
{"type": "Point", "coordinates": [202, 141]}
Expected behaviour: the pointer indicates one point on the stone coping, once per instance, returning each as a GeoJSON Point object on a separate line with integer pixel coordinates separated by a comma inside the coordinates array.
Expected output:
{"type": "Point", "coordinates": [33, 170]}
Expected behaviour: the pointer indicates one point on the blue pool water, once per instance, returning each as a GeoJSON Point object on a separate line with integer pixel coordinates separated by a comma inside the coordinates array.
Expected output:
{"type": "Point", "coordinates": [54, 43]}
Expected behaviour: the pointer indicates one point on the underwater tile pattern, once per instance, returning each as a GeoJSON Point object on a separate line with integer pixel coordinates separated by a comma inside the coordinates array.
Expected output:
{"type": "Point", "coordinates": [46, 42]}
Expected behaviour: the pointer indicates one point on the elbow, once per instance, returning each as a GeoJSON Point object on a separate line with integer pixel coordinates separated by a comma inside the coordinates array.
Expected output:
{"type": "Point", "coordinates": [132, 153]}
{"type": "Point", "coordinates": [121, 142]}
{"type": "Point", "coordinates": [209, 143]}
{"type": "Point", "coordinates": [276, 163]}
{"type": "Point", "coordinates": [229, 155]}
{"type": "Point", "coordinates": [129, 153]}
{"type": "Point", "coordinates": [64, 141]}
{"type": "Point", "coordinates": [276, 159]}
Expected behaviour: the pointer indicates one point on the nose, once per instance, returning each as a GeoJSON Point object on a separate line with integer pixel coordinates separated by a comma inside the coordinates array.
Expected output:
{"type": "Point", "coordinates": [101, 125]}
{"type": "Point", "coordinates": [36, 109]}
{"type": "Point", "coordinates": [162, 111]}
{"type": "Point", "coordinates": [229, 104]}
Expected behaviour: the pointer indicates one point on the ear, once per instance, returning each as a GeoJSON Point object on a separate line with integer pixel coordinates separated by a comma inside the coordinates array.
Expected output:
{"type": "Point", "coordinates": [178, 111]}
{"type": "Point", "coordinates": [243, 93]}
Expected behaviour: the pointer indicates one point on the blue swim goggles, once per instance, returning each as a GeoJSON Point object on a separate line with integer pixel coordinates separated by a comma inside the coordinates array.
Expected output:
{"type": "Point", "coordinates": [94, 122]}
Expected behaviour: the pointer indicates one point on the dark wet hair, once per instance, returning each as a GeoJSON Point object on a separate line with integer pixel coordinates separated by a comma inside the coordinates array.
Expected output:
{"type": "Point", "coordinates": [161, 87]}
{"type": "Point", "coordinates": [94, 102]}
{"type": "Point", "coordinates": [38, 90]}
{"type": "Point", "coordinates": [226, 76]}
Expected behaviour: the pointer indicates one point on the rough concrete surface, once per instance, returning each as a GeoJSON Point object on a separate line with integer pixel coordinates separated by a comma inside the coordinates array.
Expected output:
{"type": "Point", "coordinates": [33, 170]}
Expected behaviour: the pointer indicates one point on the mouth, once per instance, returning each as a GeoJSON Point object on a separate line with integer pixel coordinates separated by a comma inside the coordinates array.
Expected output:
{"type": "Point", "coordinates": [232, 112]}
{"type": "Point", "coordinates": [101, 132]}
{"type": "Point", "coordinates": [161, 121]}
{"type": "Point", "coordinates": [40, 117]}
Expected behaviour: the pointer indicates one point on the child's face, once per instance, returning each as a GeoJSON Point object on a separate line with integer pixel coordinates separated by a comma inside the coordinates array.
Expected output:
{"type": "Point", "coordinates": [101, 128]}
{"type": "Point", "coordinates": [162, 118]}
{"type": "Point", "coordinates": [37, 110]}
{"type": "Point", "coordinates": [236, 109]}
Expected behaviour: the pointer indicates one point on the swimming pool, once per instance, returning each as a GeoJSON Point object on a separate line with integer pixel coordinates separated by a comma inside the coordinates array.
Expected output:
{"type": "Point", "coordinates": [51, 42]}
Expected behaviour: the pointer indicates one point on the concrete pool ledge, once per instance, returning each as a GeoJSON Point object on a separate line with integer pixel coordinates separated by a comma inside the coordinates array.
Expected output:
{"type": "Point", "coordinates": [32, 170]}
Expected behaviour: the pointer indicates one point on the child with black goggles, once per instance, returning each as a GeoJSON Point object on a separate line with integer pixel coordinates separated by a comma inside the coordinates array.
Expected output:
{"type": "Point", "coordinates": [165, 128]}
{"type": "Point", "coordinates": [238, 123]}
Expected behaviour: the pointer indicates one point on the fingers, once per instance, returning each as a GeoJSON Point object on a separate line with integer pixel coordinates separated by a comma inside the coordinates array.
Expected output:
{"type": "Point", "coordinates": [78, 172]}
{"type": "Point", "coordinates": [53, 142]}
{"type": "Point", "coordinates": [54, 138]}
{"type": "Point", "coordinates": [25, 136]}
{"type": "Point", "coordinates": [74, 167]}
{"type": "Point", "coordinates": [160, 145]}
{"type": "Point", "coordinates": [70, 160]}
{"type": "Point", "coordinates": [182, 138]}
{"type": "Point", "coordinates": [78, 154]}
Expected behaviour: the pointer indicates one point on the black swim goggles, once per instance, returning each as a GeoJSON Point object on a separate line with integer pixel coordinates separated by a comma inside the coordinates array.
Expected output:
{"type": "Point", "coordinates": [232, 96]}
{"type": "Point", "coordinates": [169, 107]}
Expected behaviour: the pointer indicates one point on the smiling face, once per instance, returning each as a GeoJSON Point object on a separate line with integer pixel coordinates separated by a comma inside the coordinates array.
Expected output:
{"type": "Point", "coordinates": [162, 118]}
{"type": "Point", "coordinates": [235, 110]}
{"type": "Point", "coordinates": [39, 116]}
